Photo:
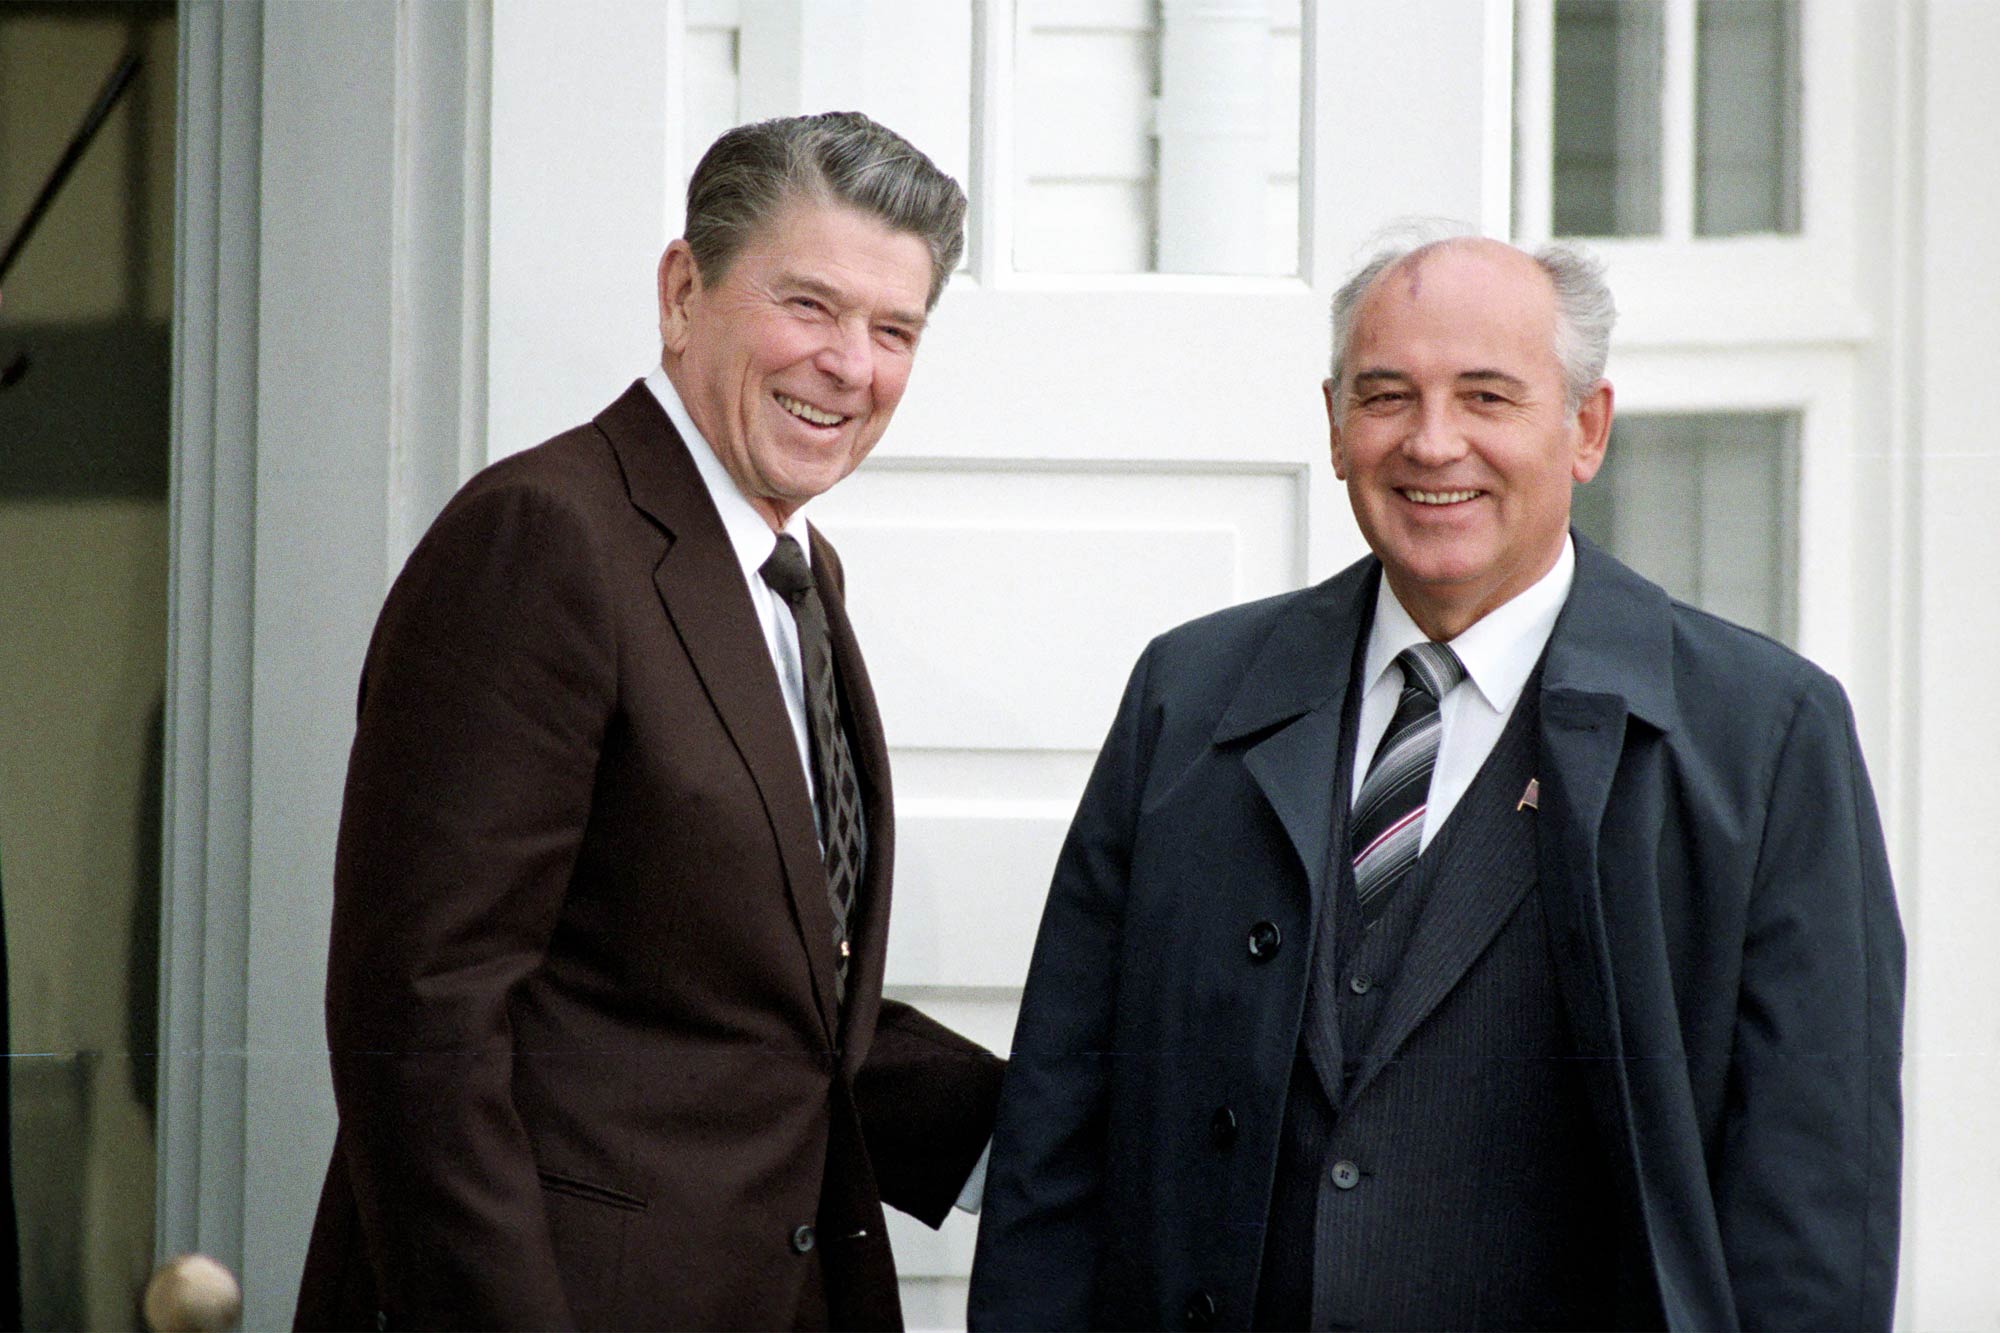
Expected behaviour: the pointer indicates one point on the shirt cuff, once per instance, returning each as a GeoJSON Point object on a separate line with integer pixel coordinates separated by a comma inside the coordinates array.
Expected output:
{"type": "Point", "coordinates": [975, 1184]}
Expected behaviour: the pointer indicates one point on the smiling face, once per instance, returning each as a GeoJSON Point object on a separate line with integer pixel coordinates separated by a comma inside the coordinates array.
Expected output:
{"type": "Point", "coordinates": [1450, 430]}
{"type": "Point", "coordinates": [792, 362]}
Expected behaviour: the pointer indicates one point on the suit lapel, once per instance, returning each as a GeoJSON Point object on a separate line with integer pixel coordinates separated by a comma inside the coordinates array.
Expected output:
{"type": "Point", "coordinates": [701, 590]}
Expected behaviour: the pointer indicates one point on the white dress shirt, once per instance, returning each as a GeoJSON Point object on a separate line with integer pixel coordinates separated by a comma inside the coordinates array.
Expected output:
{"type": "Point", "coordinates": [1499, 651]}
{"type": "Point", "coordinates": [751, 537]}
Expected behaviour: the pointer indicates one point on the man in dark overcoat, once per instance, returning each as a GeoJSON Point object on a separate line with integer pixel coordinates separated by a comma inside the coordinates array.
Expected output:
{"type": "Point", "coordinates": [612, 890]}
{"type": "Point", "coordinates": [1480, 939]}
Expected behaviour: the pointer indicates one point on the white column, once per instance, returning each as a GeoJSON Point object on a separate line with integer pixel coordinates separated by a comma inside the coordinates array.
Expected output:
{"type": "Point", "coordinates": [1215, 65]}
{"type": "Point", "coordinates": [1951, 840]}
{"type": "Point", "coordinates": [328, 304]}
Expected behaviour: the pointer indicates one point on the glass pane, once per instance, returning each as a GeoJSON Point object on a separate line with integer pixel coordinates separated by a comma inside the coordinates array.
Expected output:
{"type": "Point", "coordinates": [1157, 137]}
{"type": "Point", "coordinates": [1607, 117]}
{"type": "Point", "coordinates": [1747, 117]}
{"type": "Point", "coordinates": [1705, 505]}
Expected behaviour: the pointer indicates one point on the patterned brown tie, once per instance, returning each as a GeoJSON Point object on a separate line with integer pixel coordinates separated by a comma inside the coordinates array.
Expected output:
{"type": "Point", "coordinates": [836, 790]}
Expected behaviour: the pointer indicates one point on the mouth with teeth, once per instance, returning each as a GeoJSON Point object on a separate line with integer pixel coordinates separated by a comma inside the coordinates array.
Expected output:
{"type": "Point", "coordinates": [1437, 497]}
{"type": "Point", "coordinates": [806, 412]}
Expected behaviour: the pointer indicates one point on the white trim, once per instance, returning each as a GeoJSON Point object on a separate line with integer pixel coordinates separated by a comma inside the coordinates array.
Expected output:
{"type": "Point", "coordinates": [1496, 159]}
{"type": "Point", "coordinates": [997, 33]}
{"type": "Point", "coordinates": [1817, 384]}
{"type": "Point", "coordinates": [328, 318]}
{"type": "Point", "coordinates": [204, 909]}
{"type": "Point", "coordinates": [1677, 122]}
{"type": "Point", "coordinates": [438, 304]}
{"type": "Point", "coordinates": [1534, 121]}
{"type": "Point", "coordinates": [1315, 262]}
{"type": "Point", "coordinates": [680, 15]}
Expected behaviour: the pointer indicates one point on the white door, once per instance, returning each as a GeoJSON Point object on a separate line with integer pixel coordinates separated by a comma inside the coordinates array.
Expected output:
{"type": "Point", "coordinates": [1090, 451]}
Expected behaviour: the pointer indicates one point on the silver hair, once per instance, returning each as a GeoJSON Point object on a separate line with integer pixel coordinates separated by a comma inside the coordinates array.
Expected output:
{"type": "Point", "coordinates": [1585, 311]}
{"type": "Point", "coordinates": [751, 173]}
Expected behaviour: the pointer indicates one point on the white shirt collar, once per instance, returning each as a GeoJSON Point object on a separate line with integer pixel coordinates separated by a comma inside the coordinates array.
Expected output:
{"type": "Point", "coordinates": [1499, 649]}
{"type": "Point", "coordinates": [750, 536]}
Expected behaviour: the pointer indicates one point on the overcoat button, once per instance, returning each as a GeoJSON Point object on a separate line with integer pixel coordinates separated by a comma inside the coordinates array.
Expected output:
{"type": "Point", "coordinates": [1346, 1175]}
{"type": "Point", "coordinates": [803, 1240]}
{"type": "Point", "coordinates": [1264, 941]}
{"type": "Point", "coordinates": [1200, 1312]}
{"type": "Point", "coordinates": [1359, 985]}
{"type": "Point", "coordinates": [1223, 1127]}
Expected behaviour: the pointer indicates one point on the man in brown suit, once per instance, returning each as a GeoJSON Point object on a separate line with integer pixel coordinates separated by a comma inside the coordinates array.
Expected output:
{"type": "Point", "coordinates": [608, 1050]}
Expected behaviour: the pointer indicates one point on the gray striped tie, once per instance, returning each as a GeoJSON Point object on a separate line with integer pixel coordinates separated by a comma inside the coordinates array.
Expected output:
{"type": "Point", "coordinates": [1388, 824]}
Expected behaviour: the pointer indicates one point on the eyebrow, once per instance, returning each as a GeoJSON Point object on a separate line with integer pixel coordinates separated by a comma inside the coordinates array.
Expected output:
{"type": "Point", "coordinates": [812, 286]}
{"type": "Point", "coordinates": [1514, 382]}
{"type": "Point", "coordinates": [1481, 376]}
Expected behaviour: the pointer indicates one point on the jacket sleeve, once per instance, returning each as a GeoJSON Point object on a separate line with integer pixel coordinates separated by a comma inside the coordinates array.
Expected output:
{"type": "Point", "coordinates": [1040, 1225]}
{"type": "Point", "coordinates": [1807, 1185]}
{"type": "Point", "coordinates": [483, 707]}
{"type": "Point", "coordinates": [925, 1098]}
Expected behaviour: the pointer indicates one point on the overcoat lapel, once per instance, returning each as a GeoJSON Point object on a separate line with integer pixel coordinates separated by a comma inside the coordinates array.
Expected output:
{"type": "Point", "coordinates": [1293, 695]}
{"type": "Point", "coordinates": [1291, 701]}
{"type": "Point", "coordinates": [1607, 686]}
{"type": "Point", "coordinates": [701, 590]}
{"type": "Point", "coordinates": [1606, 669]}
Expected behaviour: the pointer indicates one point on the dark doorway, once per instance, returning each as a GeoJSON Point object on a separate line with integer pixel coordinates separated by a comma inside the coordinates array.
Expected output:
{"type": "Point", "coordinates": [84, 460]}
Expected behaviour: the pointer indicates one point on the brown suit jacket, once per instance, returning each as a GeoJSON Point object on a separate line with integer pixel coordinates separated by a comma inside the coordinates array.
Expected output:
{"type": "Point", "coordinates": [588, 1063]}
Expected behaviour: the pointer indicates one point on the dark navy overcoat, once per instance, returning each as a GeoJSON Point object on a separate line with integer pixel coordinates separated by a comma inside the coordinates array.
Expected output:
{"type": "Point", "coordinates": [1719, 911]}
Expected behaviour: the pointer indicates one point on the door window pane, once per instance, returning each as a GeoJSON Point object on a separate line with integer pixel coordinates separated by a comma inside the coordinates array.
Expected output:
{"type": "Point", "coordinates": [1705, 505]}
{"type": "Point", "coordinates": [1608, 56]}
{"type": "Point", "coordinates": [1747, 117]}
{"type": "Point", "coordinates": [1157, 137]}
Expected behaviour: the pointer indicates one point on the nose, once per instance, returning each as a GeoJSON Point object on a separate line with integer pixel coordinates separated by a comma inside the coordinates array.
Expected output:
{"type": "Point", "coordinates": [1434, 437]}
{"type": "Point", "coordinates": [846, 355]}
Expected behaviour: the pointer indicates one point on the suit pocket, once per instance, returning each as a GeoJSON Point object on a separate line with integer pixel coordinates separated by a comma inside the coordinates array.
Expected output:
{"type": "Point", "coordinates": [588, 1227]}
{"type": "Point", "coordinates": [557, 1183]}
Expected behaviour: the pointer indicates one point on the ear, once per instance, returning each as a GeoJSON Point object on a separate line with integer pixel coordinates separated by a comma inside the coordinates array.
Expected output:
{"type": "Point", "coordinates": [680, 284]}
{"type": "Point", "coordinates": [1333, 429]}
{"type": "Point", "coordinates": [1593, 432]}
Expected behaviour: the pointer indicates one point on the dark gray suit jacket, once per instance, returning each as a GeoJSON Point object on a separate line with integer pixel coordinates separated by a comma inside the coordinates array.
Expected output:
{"type": "Point", "coordinates": [1718, 906]}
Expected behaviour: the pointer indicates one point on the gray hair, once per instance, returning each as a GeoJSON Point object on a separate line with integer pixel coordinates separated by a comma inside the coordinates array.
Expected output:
{"type": "Point", "coordinates": [1584, 309]}
{"type": "Point", "coordinates": [751, 173]}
